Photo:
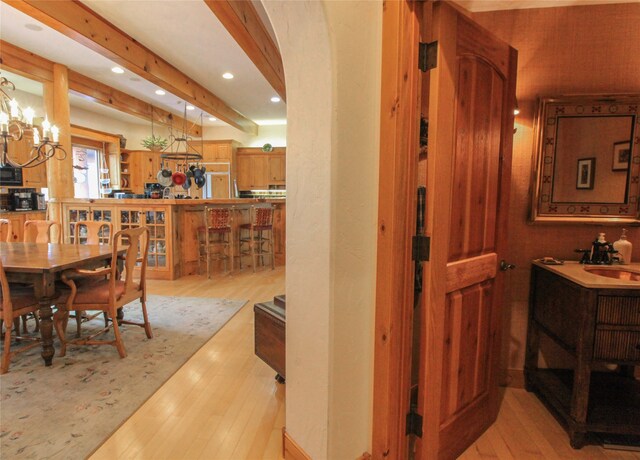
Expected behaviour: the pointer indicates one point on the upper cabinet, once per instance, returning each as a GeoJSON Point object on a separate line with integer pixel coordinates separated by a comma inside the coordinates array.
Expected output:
{"type": "Point", "coordinates": [258, 170]}
{"type": "Point", "coordinates": [34, 177]}
{"type": "Point", "coordinates": [216, 151]}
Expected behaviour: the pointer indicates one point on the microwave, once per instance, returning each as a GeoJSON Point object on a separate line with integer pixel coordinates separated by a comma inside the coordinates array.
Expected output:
{"type": "Point", "coordinates": [10, 176]}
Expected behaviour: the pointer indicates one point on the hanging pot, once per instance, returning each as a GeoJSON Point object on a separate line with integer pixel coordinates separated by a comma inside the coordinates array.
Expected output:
{"type": "Point", "coordinates": [163, 180]}
{"type": "Point", "coordinates": [187, 183]}
{"type": "Point", "coordinates": [179, 178]}
{"type": "Point", "coordinates": [199, 181]}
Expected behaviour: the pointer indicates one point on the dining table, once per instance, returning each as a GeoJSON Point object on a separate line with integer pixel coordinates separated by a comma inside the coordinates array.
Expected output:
{"type": "Point", "coordinates": [41, 265]}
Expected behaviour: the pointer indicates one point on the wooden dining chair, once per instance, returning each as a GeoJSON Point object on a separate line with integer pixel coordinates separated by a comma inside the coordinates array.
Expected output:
{"type": "Point", "coordinates": [91, 232]}
{"type": "Point", "coordinates": [14, 304]}
{"type": "Point", "coordinates": [91, 290]}
{"type": "Point", "coordinates": [40, 231]}
{"type": "Point", "coordinates": [5, 230]}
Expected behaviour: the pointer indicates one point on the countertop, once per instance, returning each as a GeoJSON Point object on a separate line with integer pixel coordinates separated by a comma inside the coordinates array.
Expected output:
{"type": "Point", "coordinates": [25, 211]}
{"type": "Point", "coordinates": [579, 274]}
{"type": "Point", "coordinates": [161, 201]}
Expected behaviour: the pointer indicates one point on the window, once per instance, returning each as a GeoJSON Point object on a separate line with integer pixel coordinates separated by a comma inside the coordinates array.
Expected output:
{"type": "Point", "coordinates": [86, 181]}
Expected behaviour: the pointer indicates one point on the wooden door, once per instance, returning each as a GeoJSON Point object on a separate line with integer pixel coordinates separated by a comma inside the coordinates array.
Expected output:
{"type": "Point", "coordinates": [472, 97]}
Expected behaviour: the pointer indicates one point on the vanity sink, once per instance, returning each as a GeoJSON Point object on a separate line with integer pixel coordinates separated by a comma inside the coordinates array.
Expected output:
{"type": "Point", "coordinates": [616, 273]}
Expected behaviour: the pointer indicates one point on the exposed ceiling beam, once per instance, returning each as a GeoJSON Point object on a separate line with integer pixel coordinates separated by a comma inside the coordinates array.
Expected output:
{"type": "Point", "coordinates": [78, 22]}
{"type": "Point", "coordinates": [241, 20]}
{"type": "Point", "coordinates": [36, 67]}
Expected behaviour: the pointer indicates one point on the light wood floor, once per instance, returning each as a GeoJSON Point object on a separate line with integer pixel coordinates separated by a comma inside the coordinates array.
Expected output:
{"type": "Point", "coordinates": [225, 404]}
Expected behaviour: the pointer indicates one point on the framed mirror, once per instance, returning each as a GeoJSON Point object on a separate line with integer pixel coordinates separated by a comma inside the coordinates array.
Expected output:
{"type": "Point", "coordinates": [586, 159]}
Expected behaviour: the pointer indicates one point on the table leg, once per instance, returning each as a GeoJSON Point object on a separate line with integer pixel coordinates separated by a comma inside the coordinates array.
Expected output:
{"type": "Point", "coordinates": [45, 292]}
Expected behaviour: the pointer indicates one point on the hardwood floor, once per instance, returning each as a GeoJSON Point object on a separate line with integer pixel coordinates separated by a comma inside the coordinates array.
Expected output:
{"type": "Point", "coordinates": [225, 404]}
{"type": "Point", "coordinates": [525, 429]}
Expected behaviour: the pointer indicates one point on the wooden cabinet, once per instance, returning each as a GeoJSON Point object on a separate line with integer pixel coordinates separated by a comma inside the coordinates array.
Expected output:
{"type": "Point", "coordinates": [32, 177]}
{"type": "Point", "coordinates": [595, 327]}
{"type": "Point", "coordinates": [144, 168]}
{"type": "Point", "coordinates": [257, 170]}
{"type": "Point", "coordinates": [156, 218]}
{"type": "Point", "coordinates": [216, 151]}
{"type": "Point", "coordinates": [277, 169]}
{"type": "Point", "coordinates": [73, 213]}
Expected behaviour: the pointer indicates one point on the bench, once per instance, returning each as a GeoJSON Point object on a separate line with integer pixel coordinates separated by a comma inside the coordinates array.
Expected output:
{"type": "Point", "coordinates": [270, 338]}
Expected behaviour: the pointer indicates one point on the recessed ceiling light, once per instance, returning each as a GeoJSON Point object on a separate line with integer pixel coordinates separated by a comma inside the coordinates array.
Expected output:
{"type": "Point", "coordinates": [117, 70]}
{"type": "Point", "coordinates": [190, 107]}
{"type": "Point", "coordinates": [275, 99]}
{"type": "Point", "coordinates": [212, 118]}
{"type": "Point", "coordinates": [159, 92]}
{"type": "Point", "coordinates": [34, 27]}
{"type": "Point", "coordinates": [227, 75]}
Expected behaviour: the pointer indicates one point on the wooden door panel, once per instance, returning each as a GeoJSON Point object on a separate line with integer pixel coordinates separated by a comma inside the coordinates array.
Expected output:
{"type": "Point", "coordinates": [472, 96]}
{"type": "Point", "coordinates": [467, 332]}
{"type": "Point", "coordinates": [476, 158]}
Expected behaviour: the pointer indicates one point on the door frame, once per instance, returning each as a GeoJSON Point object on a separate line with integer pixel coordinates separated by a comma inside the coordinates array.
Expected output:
{"type": "Point", "coordinates": [399, 135]}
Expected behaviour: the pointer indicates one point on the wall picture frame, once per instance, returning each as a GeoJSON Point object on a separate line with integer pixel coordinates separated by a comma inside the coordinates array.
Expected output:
{"type": "Point", "coordinates": [621, 156]}
{"type": "Point", "coordinates": [586, 173]}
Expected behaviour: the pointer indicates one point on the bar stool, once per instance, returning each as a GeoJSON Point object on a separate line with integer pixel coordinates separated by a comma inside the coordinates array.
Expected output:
{"type": "Point", "coordinates": [257, 234]}
{"type": "Point", "coordinates": [215, 241]}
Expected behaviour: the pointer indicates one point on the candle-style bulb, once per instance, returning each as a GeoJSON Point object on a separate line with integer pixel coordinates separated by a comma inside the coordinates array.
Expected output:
{"type": "Point", "coordinates": [28, 115]}
{"type": "Point", "coordinates": [36, 137]}
{"type": "Point", "coordinates": [55, 132]}
{"type": "Point", "coordinates": [4, 121]}
{"type": "Point", "coordinates": [46, 126]}
{"type": "Point", "coordinates": [13, 106]}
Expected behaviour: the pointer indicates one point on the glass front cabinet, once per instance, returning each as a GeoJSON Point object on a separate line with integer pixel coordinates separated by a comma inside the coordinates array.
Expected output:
{"type": "Point", "coordinates": [156, 218]}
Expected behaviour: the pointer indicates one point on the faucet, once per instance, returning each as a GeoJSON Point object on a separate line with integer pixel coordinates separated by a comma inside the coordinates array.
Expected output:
{"type": "Point", "coordinates": [601, 252]}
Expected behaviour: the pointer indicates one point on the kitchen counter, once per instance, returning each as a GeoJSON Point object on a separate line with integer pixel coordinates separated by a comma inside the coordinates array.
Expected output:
{"type": "Point", "coordinates": [160, 201]}
{"type": "Point", "coordinates": [579, 274]}
{"type": "Point", "coordinates": [174, 223]}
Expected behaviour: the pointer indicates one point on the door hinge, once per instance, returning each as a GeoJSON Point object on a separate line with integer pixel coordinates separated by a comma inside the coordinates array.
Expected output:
{"type": "Point", "coordinates": [414, 424]}
{"type": "Point", "coordinates": [420, 249]}
{"type": "Point", "coordinates": [428, 56]}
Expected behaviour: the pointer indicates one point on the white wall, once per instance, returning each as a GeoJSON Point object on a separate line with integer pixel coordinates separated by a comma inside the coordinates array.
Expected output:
{"type": "Point", "coordinates": [331, 54]}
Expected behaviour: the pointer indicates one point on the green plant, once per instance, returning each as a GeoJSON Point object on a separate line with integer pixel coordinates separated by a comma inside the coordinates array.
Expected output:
{"type": "Point", "coordinates": [154, 142]}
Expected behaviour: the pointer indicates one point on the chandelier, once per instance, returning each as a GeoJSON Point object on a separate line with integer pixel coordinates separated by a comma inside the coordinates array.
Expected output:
{"type": "Point", "coordinates": [15, 122]}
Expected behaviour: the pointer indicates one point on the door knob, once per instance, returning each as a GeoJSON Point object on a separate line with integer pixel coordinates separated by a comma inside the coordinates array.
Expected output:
{"type": "Point", "coordinates": [504, 266]}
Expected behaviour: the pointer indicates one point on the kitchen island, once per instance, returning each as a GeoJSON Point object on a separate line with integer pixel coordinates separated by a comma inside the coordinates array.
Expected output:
{"type": "Point", "coordinates": [173, 225]}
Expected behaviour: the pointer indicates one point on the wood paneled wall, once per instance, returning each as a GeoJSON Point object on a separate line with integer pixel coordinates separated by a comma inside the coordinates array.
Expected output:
{"type": "Point", "coordinates": [569, 50]}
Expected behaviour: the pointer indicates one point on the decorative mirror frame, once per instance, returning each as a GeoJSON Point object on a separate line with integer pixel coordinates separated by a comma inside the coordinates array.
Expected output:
{"type": "Point", "coordinates": [549, 109]}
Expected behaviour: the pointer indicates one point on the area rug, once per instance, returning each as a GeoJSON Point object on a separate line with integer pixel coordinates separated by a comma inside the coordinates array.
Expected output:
{"type": "Point", "coordinates": [67, 410]}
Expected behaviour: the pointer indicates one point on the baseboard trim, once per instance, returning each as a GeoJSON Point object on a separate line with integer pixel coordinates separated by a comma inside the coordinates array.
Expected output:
{"type": "Point", "coordinates": [514, 378]}
{"type": "Point", "coordinates": [290, 449]}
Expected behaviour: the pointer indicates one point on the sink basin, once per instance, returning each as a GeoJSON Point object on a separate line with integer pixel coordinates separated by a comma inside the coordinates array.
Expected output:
{"type": "Point", "coordinates": [616, 273]}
